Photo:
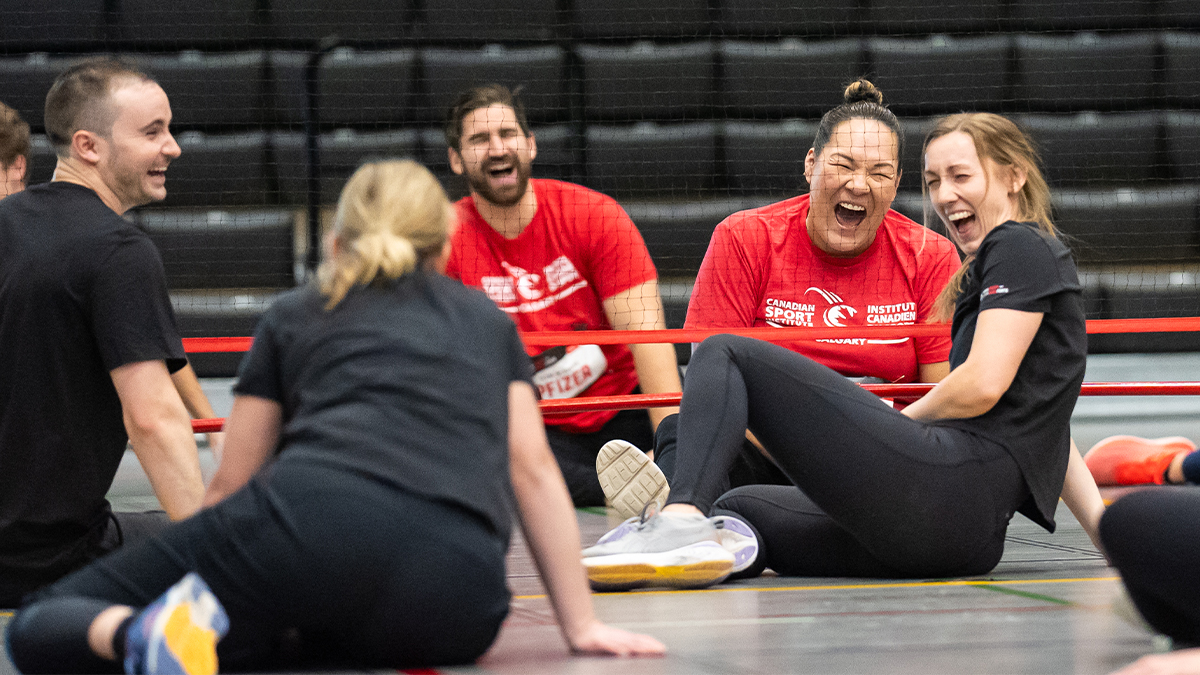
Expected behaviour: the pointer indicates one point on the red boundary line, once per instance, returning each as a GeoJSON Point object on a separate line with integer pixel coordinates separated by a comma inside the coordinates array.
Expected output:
{"type": "Point", "coordinates": [897, 391]}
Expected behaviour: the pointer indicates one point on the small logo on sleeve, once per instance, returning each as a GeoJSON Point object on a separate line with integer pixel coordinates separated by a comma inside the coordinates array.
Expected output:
{"type": "Point", "coordinates": [998, 289]}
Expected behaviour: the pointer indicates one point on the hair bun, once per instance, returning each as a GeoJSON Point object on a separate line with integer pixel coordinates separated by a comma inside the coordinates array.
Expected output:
{"type": "Point", "coordinates": [862, 90]}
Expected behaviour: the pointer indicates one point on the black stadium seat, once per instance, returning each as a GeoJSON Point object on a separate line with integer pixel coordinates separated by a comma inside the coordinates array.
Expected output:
{"type": "Point", "coordinates": [912, 162]}
{"type": "Point", "coordinates": [639, 19]}
{"type": "Point", "coordinates": [218, 170]}
{"type": "Point", "coordinates": [25, 81]}
{"type": "Point", "coordinates": [360, 88]}
{"type": "Point", "coordinates": [1124, 225]}
{"type": "Point", "coordinates": [940, 73]}
{"type": "Point", "coordinates": [788, 78]}
{"type": "Point", "coordinates": [196, 24]}
{"type": "Point", "coordinates": [779, 18]}
{"type": "Point", "coordinates": [210, 89]}
{"type": "Point", "coordinates": [287, 102]}
{"type": "Point", "coordinates": [923, 16]}
{"type": "Point", "coordinates": [1091, 147]}
{"type": "Point", "coordinates": [351, 21]}
{"type": "Point", "coordinates": [32, 25]}
{"type": "Point", "coordinates": [218, 313]}
{"type": "Point", "coordinates": [768, 157]}
{"type": "Point", "coordinates": [342, 152]}
{"type": "Point", "coordinates": [1182, 133]}
{"type": "Point", "coordinates": [1178, 14]}
{"type": "Point", "coordinates": [647, 81]}
{"type": "Point", "coordinates": [489, 20]}
{"type": "Point", "coordinates": [677, 233]}
{"type": "Point", "coordinates": [224, 249]}
{"type": "Point", "coordinates": [652, 161]}
{"type": "Point", "coordinates": [1085, 70]}
{"type": "Point", "coordinates": [1181, 54]}
{"type": "Point", "coordinates": [42, 160]}
{"type": "Point", "coordinates": [1040, 15]}
{"type": "Point", "coordinates": [537, 70]}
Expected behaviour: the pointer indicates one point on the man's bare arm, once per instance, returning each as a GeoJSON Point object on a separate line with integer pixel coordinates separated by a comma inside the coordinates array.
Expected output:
{"type": "Point", "coordinates": [161, 434]}
{"type": "Point", "coordinates": [198, 405]}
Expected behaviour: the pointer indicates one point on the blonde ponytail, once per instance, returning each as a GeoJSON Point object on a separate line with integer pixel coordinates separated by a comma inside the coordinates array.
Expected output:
{"type": "Point", "coordinates": [391, 216]}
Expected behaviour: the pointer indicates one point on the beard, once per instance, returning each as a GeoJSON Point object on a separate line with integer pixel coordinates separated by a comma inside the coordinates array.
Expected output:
{"type": "Point", "coordinates": [506, 196]}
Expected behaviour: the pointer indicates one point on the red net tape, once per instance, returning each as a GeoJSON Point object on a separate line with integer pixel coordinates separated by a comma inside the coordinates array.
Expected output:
{"type": "Point", "coordinates": [630, 337]}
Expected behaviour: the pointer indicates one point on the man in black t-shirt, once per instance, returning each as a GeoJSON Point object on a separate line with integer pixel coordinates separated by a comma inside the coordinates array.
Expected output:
{"type": "Point", "coordinates": [87, 336]}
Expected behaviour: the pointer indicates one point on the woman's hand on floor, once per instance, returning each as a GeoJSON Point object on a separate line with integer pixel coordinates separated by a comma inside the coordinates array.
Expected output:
{"type": "Point", "coordinates": [1182, 662]}
{"type": "Point", "coordinates": [598, 638]}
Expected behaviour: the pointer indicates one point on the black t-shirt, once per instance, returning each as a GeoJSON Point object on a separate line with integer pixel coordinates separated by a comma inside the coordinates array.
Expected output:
{"type": "Point", "coordinates": [82, 292]}
{"type": "Point", "coordinates": [1019, 267]}
{"type": "Point", "coordinates": [406, 383]}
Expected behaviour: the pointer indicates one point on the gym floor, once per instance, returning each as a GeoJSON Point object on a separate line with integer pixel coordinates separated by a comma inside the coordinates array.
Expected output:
{"type": "Point", "coordinates": [1051, 606]}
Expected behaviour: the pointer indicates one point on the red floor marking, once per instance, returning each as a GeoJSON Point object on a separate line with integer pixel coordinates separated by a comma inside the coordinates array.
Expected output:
{"type": "Point", "coordinates": [420, 671]}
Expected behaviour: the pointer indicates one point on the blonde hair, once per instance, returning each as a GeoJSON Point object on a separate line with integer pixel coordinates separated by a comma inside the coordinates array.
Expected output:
{"type": "Point", "coordinates": [391, 217]}
{"type": "Point", "coordinates": [1000, 140]}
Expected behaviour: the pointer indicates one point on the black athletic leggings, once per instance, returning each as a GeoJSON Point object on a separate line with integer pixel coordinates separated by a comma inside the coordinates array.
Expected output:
{"type": "Point", "coordinates": [1153, 538]}
{"type": "Point", "coordinates": [315, 566]}
{"type": "Point", "coordinates": [878, 494]}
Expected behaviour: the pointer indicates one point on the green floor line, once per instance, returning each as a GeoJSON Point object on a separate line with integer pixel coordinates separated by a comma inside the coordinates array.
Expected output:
{"type": "Point", "coordinates": [1025, 594]}
{"type": "Point", "coordinates": [594, 510]}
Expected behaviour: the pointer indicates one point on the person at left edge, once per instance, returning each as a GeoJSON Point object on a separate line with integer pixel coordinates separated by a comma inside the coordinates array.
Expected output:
{"type": "Point", "coordinates": [557, 256]}
{"type": "Point", "coordinates": [14, 167]}
{"type": "Point", "coordinates": [87, 336]}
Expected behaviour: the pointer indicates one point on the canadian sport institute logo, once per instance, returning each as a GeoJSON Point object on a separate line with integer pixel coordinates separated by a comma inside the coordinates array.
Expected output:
{"type": "Point", "coordinates": [525, 291]}
{"type": "Point", "coordinates": [839, 313]}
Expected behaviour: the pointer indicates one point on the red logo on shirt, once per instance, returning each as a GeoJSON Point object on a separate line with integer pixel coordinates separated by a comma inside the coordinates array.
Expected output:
{"type": "Point", "coordinates": [998, 289]}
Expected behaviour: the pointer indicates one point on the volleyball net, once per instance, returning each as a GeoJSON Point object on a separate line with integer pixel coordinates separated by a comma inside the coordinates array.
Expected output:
{"type": "Point", "coordinates": [685, 111]}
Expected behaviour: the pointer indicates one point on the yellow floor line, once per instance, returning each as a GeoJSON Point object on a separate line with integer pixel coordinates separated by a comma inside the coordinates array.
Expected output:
{"type": "Point", "coordinates": [841, 587]}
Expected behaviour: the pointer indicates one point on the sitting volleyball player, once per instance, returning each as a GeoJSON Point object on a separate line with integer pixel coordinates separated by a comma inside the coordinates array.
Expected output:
{"type": "Point", "coordinates": [923, 492]}
{"type": "Point", "coordinates": [837, 257]}
{"type": "Point", "coordinates": [361, 479]}
{"type": "Point", "coordinates": [557, 257]}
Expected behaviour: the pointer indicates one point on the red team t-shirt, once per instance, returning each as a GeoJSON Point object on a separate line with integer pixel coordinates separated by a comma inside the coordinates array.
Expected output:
{"type": "Point", "coordinates": [580, 249]}
{"type": "Point", "coordinates": [762, 269]}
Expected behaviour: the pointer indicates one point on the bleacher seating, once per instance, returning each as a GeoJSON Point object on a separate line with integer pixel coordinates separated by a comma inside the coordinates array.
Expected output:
{"type": "Point", "coordinates": [210, 89]}
{"type": "Point", "coordinates": [1085, 71]}
{"type": "Point", "coordinates": [647, 81]}
{"type": "Point", "coordinates": [685, 111]}
{"type": "Point", "coordinates": [224, 249]}
{"type": "Point", "coordinates": [768, 157]}
{"type": "Point", "coordinates": [537, 70]}
{"type": "Point", "coordinates": [647, 159]}
{"type": "Point", "coordinates": [1092, 148]}
{"type": "Point", "coordinates": [219, 170]}
{"type": "Point", "coordinates": [940, 73]}
{"type": "Point", "coordinates": [788, 78]}
{"type": "Point", "coordinates": [779, 18]}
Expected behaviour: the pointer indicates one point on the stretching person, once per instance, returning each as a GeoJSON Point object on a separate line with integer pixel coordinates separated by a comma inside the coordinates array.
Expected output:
{"type": "Point", "coordinates": [1153, 538]}
{"type": "Point", "coordinates": [837, 257]}
{"type": "Point", "coordinates": [390, 493]}
{"type": "Point", "coordinates": [927, 491]}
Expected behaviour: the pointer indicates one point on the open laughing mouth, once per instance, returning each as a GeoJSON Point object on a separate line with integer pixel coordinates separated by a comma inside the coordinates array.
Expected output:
{"type": "Point", "coordinates": [849, 215]}
{"type": "Point", "coordinates": [502, 172]}
{"type": "Point", "coordinates": [961, 221]}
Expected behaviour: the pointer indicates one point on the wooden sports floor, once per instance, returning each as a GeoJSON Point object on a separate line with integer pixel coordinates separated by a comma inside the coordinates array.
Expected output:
{"type": "Point", "coordinates": [1047, 608]}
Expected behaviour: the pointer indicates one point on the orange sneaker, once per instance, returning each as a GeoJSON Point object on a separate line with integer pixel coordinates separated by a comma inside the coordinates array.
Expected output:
{"type": "Point", "coordinates": [1130, 460]}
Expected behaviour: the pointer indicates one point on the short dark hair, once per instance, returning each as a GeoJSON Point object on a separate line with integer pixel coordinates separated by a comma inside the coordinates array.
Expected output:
{"type": "Point", "coordinates": [861, 100]}
{"type": "Point", "coordinates": [482, 97]}
{"type": "Point", "coordinates": [14, 137]}
{"type": "Point", "coordinates": [78, 99]}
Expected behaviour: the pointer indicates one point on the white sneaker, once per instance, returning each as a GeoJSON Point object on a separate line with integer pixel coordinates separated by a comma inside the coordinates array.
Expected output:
{"type": "Point", "coordinates": [670, 550]}
{"type": "Point", "coordinates": [630, 479]}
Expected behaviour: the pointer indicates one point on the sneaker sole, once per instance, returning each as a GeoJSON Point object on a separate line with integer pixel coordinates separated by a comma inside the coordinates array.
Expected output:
{"type": "Point", "coordinates": [695, 566]}
{"type": "Point", "coordinates": [737, 538]}
{"type": "Point", "coordinates": [629, 478]}
{"type": "Point", "coordinates": [186, 633]}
